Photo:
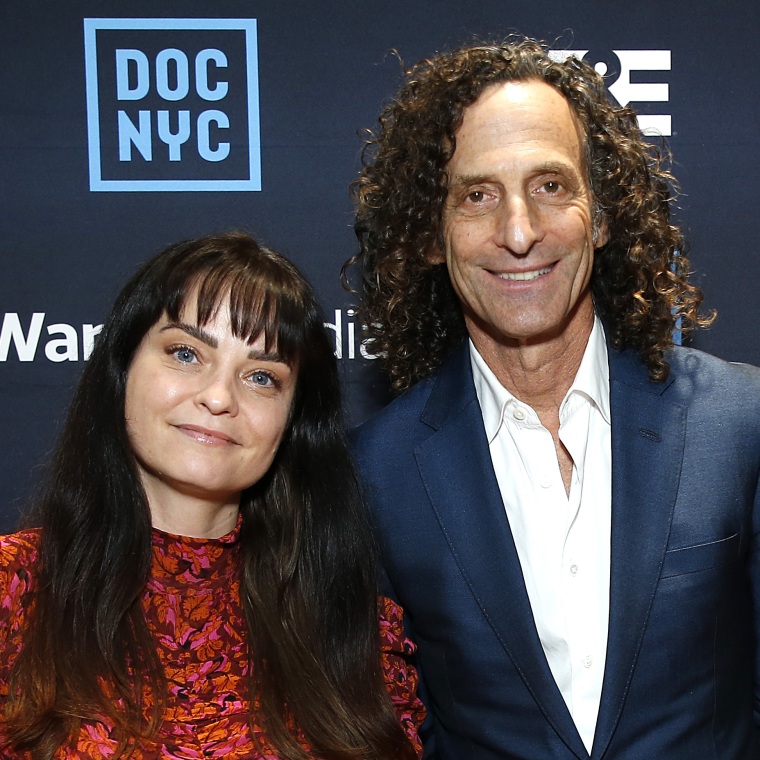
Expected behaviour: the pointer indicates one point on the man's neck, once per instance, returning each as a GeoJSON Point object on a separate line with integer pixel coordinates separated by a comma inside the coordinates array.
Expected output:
{"type": "Point", "coordinates": [538, 373]}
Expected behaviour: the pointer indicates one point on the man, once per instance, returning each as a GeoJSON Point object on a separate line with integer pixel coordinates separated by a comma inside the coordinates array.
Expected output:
{"type": "Point", "coordinates": [567, 503]}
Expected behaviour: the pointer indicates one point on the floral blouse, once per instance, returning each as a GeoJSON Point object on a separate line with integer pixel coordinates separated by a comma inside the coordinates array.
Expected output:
{"type": "Point", "coordinates": [192, 606]}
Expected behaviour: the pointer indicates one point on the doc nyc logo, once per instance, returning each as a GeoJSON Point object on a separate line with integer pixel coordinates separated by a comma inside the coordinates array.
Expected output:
{"type": "Point", "coordinates": [172, 104]}
{"type": "Point", "coordinates": [630, 78]}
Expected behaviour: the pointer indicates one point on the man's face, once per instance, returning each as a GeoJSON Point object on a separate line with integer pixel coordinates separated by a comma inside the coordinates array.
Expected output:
{"type": "Point", "coordinates": [518, 238]}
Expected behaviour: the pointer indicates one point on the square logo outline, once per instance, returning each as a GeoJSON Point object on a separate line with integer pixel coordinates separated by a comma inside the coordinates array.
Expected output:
{"type": "Point", "coordinates": [97, 183]}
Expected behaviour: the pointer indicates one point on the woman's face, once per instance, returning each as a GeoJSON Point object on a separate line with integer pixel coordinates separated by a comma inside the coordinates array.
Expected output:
{"type": "Point", "coordinates": [205, 411]}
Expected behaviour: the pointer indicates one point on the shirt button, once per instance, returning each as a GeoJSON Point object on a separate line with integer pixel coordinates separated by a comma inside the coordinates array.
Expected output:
{"type": "Point", "coordinates": [546, 482]}
{"type": "Point", "coordinates": [587, 661]}
{"type": "Point", "coordinates": [519, 413]}
{"type": "Point", "coordinates": [573, 569]}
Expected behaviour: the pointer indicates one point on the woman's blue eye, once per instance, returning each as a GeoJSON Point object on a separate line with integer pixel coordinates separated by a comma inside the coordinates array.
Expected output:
{"type": "Point", "coordinates": [261, 378]}
{"type": "Point", "coordinates": [185, 355]}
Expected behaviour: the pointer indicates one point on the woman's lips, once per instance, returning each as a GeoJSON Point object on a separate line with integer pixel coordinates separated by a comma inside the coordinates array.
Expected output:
{"type": "Point", "coordinates": [205, 435]}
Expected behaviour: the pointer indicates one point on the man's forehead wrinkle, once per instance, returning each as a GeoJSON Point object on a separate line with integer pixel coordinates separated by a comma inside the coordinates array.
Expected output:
{"type": "Point", "coordinates": [552, 166]}
{"type": "Point", "coordinates": [488, 150]}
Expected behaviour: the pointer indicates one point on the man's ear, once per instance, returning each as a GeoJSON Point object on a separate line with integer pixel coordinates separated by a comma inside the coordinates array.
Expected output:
{"type": "Point", "coordinates": [434, 255]}
{"type": "Point", "coordinates": [602, 231]}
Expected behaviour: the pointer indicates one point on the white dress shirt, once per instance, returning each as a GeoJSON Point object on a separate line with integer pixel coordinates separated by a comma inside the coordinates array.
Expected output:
{"type": "Point", "coordinates": [563, 542]}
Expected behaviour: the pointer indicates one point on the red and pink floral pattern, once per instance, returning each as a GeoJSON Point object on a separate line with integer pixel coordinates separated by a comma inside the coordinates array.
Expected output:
{"type": "Point", "coordinates": [192, 606]}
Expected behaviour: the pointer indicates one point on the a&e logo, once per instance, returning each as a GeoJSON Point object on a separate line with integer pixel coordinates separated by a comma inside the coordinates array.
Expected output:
{"type": "Point", "coordinates": [624, 71]}
{"type": "Point", "coordinates": [172, 104]}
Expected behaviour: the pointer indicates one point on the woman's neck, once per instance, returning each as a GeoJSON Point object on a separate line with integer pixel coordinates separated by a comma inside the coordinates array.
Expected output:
{"type": "Point", "coordinates": [190, 515]}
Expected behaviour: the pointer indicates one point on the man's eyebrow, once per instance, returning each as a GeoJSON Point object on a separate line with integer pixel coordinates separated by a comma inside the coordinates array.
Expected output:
{"type": "Point", "coordinates": [193, 331]}
{"type": "Point", "coordinates": [465, 180]}
{"type": "Point", "coordinates": [556, 167]}
{"type": "Point", "coordinates": [548, 167]}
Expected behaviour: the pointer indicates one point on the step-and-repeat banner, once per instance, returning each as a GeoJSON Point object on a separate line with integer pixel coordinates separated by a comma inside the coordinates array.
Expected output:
{"type": "Point", "coordinates": [128, 126]}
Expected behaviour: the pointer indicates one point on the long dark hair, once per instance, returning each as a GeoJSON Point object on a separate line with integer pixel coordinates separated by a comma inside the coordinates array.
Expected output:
{"type": "Point", "coordinates": [412, 315]}
{"type": "Point", "coordinates": [307, 577]}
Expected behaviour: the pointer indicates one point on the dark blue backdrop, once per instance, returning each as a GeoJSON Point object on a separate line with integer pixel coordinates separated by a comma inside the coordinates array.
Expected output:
{"type": "Point", "coordinates": [317, 74]}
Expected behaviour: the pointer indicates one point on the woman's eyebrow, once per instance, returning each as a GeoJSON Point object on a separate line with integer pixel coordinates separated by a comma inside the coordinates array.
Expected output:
{"type": "Point", "coordinates": [194, 331]}
{"type": "Point", "coordinates": [210, 340]}
{"type": "Point", "coordinates": [265, 356]}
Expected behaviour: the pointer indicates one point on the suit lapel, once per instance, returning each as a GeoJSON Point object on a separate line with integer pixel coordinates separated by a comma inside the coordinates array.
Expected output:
{"type": "Point", "coordinates": [455, 466]}
{"type": "Point", "coordinates": [647, 451]}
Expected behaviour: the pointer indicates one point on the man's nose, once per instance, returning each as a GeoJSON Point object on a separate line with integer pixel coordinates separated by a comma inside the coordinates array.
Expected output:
{"type": "Point", "coordinates": [518, 225]}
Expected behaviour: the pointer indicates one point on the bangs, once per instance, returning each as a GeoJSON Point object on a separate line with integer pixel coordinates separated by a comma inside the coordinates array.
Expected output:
{"type": "Point", "coordinates": [263, 300]}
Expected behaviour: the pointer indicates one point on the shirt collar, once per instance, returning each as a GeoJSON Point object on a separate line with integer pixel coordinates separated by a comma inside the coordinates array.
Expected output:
{"type": "Point", "coordinates": [593, 376]}
{"type": "Point", "coordinates": [492, 395]}
{"type": "Point", "coordinates": [592, 380]}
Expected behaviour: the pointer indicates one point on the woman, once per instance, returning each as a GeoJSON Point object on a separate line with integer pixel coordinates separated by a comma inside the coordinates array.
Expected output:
{"type": "Point", "coordinates": [200, 584]}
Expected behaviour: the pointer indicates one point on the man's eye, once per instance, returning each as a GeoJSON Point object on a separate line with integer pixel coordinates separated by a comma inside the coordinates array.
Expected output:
{"type": "Point", "coordinates": [476, 196]}
{"type": "Point", "coordinates": [552, 187]}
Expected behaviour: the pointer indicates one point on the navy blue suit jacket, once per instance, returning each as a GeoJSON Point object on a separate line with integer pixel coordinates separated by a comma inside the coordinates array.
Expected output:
{"type": "Point", "coordinates": [681, 677]}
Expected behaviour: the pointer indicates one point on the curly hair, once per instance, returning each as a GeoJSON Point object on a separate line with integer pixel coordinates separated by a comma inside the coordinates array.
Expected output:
{"type": "Point", "coordinates": [411, 312]}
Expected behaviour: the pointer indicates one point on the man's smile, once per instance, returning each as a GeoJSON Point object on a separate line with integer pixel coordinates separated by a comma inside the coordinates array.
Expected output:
{"type": "Point", "coordinates": [524, 276]}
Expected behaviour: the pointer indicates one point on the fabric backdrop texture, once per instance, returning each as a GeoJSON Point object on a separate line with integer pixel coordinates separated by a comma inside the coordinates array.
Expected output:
{"type": "Point", "coordinates": [125, 127]}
